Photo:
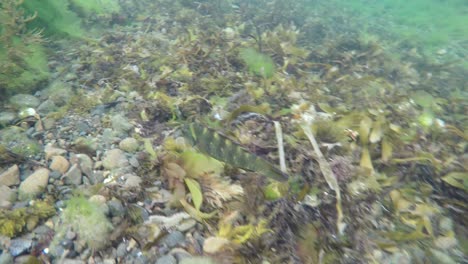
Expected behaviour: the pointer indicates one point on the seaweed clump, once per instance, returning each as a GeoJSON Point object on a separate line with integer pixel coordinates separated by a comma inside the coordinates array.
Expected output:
{"type": "Point", "coordinates": [13, 222]}
{"type": "Point", "coordinates": [21, 52]}
{"type": "Point", "coordinates": [88, 220]}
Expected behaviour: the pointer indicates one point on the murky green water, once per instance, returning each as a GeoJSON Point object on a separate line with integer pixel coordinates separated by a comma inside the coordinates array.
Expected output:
{"type": "Point", "coordinates": [362, 103]}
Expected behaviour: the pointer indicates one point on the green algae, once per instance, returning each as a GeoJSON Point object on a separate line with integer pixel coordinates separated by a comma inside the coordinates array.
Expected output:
{"type": "Point", "coordinates": [55, 18]}
{"type": "Point", "coordinates": [258, 63]}
{"type": "Point", "coordinates": [13, 222]}
{"type": "Point", "coordinates": [88, 220]}
{"type": "Point", "coordinates": [101, 7]}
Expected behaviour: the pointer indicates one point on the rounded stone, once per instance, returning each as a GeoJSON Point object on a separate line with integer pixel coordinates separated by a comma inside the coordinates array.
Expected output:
{"type": "Point", "coordinates": [10, 177]}
{"type": "Point", "coordinates": [167, 259]}
{"type": "Point", "coordinates": [129, 145]}
{"type": "Point", "coordinates": [24, 101]}
{"type": "Point", "coordinates": [34, 184]}
{"type": "Point", "coordinates": [59, 164]}
{"type": "Point", "coordinates": [114, 158]}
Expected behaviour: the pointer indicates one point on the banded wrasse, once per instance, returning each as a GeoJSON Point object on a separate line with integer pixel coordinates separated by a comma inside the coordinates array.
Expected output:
{"type": "Point", "coordinates": [228, 151]}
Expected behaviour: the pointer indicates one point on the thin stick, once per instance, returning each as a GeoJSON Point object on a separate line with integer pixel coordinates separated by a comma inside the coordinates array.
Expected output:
{"type": "Point", "coordinates": [279, 138]}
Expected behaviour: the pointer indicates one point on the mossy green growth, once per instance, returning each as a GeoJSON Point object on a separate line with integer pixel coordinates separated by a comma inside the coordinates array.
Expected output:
{"type": "Point", "coordinates": [100, 7]}
{"type": "Point", "coordinates": [18, 142]}
{"type": "Point", "coordinates": [258, 63]}
{"type": "Point", "coordinates": [88, 220]}
{"type": "Point", "coordinates": [54, 17]}
{"type": "Point", "coordinates": [13, 222]}
{"type": "Point", "coordinates": [29, 71]}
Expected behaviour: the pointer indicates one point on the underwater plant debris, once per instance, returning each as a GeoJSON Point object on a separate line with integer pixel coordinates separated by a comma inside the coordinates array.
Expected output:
{"type": "Point", "coordinates": [247, 131]}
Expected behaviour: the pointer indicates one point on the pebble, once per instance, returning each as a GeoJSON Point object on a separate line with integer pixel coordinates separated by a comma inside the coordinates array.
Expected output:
{"type": "Point", "coordinates": [19, 246]}
{"type": "Point", "coordinates": [82, 128]}
{"type": "Point", "coordinates": [96, 177]}
{"type": "Point", "coordinates": [116, 207]}
{"type": "Point", "coordinates": [59, 92]}
{"type": "Point", "coordinates": [34, 184]}
{"type": "Point", "coordinates": [59, 164]}
{"type": "Point", "coordinates": [55, 175]}
{"type": "Point", "coordinates": [85, 145]}
{"type": "Point", "coordinates": [166, 259]}
{"type": "Point", "coordinates": [24, 101]}
{"type": "Point", "coordinates": [73, 176]}
{"type": "Point", "coordinates": [51, 151]}
{"type": "Point", "coordinates": [6, 258]}
{"type": "Point", "coordinates": [114, 158]}
{"type": "Point", "coordinates": [47, 107]}
{"type": "Point", "coordinates": [129, 145]}
{"type": "Point", "coordinates": [120, 123]}
{"type": "Point", "coordinates": [134, 162]}
{"type": "Point", "coordinates": [72, 261]}
{"type": "Point", "coordinates": [48, 124]}
{"type": "Point", "coordinates": [6, 118]}
{"type": "Point", "coordinates": [180, 253]}
{"type": "Point", "coordinates": [10, 177]}
{"type": "Point", "coordinates": [86, 164]}
{"type": "Point", "coordinates": [7, 197]}
{"type": "Point", "coordinates": [121, 250]}
{"type": "Point", "coordinates": [132, 181]}
{"type": "Point", "coordinates": [186, 225]}
{"type": "Point", "coordinates": [173, 239]}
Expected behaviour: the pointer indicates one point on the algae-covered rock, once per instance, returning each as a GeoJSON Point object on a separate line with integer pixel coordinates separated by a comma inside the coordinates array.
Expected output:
{"type": "Point", "coordinates": [18, 142]}
{"type": "Point", "coordinates": [13, 222]}
{"type": "Point", "coordinates": [34, 184]}
{"type": "Point", "coordinates": [21, 101]}
{"type": "Point", "coordinates": [59, 92]}
{"type": "Point", "coordinates": [87, 219]}
{"type": "Point", "coordinates": [29, 72]}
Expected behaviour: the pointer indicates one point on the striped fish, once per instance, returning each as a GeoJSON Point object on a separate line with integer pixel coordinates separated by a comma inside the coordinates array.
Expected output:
{"type": "Point", "coordinates": [226, 150]}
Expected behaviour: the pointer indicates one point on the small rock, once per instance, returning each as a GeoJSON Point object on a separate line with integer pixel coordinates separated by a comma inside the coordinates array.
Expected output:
{"type": "Point", "coordinates": [72, 261]}
{"type": "Point", "coordinates": [200, 260]}
{"type": "Point", "coordinates": [6, 258]}
{"type": "Point", "coordinates": [59, 164]}
{"type": "Point", "coordinates": [120, 123]}
{"type": "Point", "coordinates": [24, 101]}
{"type": "Point", "coordinates": [51, 151]}
{"type": "Point", "coordinates": [34, 184]}
{"type": "Point", "coordinates": [167, 259]}
{"type": "Point", "coordinates": [55, 175]}
{"type": "Point", "coordinates": [86, 164]}
{"type": "Point", "coordinates": [10, 177]}
{"type": "Point", "coordinates": [48, 123]}
{"type": "Point", "coordinates": [129, 145]}
{"type": "Point", "coordinates": [82, 127]}
{"type": "Point", "coordinates": [134, 162]}
{"type": "Point", "coordinates": [114, 158]}
{"type": "Point", "coordinates": [121, 250]}
{"type": "Point", "coordinates": [19, 246]}
{"type": "Point", "coordinates": [173, 239]}
{"type": "Point", "coordinates": [212, 245]}
{"type": "Point", "coordinates": [73, 176]}
{"type": "Point", "coordinates": [186, 225]}
{"type": "Point", "coordinates": [116, 207]}
{"type": "Point", "coordinates": [85, 145]}
{"type": "Point", "coordinates": [7, 196]}
{"type": "Point", "coordinates": [96, 177]}
{"type": "Point", "coordinates": [180, 253]}
{"type": "Point", "coordinates": [132, 181]}
{"type": "Point", "coordinates": [47, 107]}
{"type": "Point", "coordinates": [70, 235]}
{"type": "Point", "coordinates": [6, 118]}
{"type": "Point", "coordinates": [59, 92]}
